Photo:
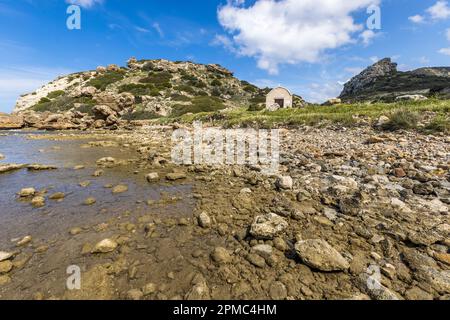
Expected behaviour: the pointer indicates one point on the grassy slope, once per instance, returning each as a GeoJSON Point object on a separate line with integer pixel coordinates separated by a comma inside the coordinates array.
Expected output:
{"type": "Point", "coordinates": [345, 114]}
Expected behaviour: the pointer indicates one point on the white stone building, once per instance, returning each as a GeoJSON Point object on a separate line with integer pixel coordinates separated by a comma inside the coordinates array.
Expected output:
{"type": "Point", "coordinates": [279, 98]}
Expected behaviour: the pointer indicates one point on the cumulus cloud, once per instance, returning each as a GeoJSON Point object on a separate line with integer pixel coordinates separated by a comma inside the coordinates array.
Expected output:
{"type": "Point", "coordinates": [439, 11]}
{"type": "Point", "coordinates": [367, 36]}
{"type": "Point", "coordinates": [85, 3]}
{"type": "Point", "coordinates": [417, 18]}
{"type": "Point", "coordinates": [290, 31]}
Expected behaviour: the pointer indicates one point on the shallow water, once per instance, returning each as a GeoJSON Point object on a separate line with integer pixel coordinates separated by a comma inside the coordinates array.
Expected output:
{"type": "Point", "coordinates": [49, 225]}
{"type": "Point", "coordinates": [17, 217]}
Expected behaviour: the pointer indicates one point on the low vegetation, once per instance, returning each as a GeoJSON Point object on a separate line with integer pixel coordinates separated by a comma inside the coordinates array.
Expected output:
{"type": "Point", "coordinates": [101, 82]}
{"type": "Point", "coordinates": [198, 105]}
{"type": "Point", "coordinates": [147, 89]}
{"type": "Point", "coordinates": [403, 115]}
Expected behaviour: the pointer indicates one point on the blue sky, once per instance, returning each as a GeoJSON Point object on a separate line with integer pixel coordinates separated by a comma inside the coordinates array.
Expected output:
{"type": "Point", "coordinates": [309, 46]}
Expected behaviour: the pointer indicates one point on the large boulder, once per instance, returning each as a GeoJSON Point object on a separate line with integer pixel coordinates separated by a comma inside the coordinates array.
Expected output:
{"type": "Point", "coordinates": [103, 111]}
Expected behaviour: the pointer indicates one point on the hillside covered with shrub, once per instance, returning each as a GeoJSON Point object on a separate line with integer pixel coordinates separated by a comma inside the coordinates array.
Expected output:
{"type": "Point", "coordinates": [144, 89]}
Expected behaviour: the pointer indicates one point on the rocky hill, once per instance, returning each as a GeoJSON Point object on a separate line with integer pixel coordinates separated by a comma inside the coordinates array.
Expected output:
{"type": "Point", "coordinates": [383, 82]}
{"type": "Point", "coordinates": [145, 89]}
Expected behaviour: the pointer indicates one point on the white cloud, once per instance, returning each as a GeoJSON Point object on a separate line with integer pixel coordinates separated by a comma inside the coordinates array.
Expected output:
{"type": "Point", "coordinates": [140, 29]}
{"type": "Point", "coordinates": [445, 51]}
{"type": "Point", "coordinates": [367, 36]}
{"type": "Point", "coordinates": [158, 29]}
{"type": "Point", "coordinates": [417, 18]}
{"type": "Point", "coordinates": [319, 93]}
{"type": "Point", "coordinates": [291, 31]}
{"type": "Point", "coordinates": [224, 41]}
{"type": "Point", "coordinates": [447, 34]}
{"type": "Point", "coordinates": [85, 3]}
{"type": "Point", "coordinates": [439, 11]}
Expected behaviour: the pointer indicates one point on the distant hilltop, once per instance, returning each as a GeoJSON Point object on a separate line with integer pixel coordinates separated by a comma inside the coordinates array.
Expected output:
{"type": "Point", "coordinates": [383, 82]}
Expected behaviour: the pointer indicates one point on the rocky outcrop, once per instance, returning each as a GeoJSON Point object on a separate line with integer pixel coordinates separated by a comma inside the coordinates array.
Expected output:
{"type": "Point", "coordinates": [10, 121]}
{"type": "Point", "coordinates": [383, 82]}
{"type": "Point", "coordinates": [143, 90]}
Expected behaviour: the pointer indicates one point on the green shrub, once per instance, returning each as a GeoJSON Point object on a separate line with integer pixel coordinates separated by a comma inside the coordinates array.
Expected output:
{"type": "Point", "coordinates": [250, 88]}
{"type": "Point", "coordinates": [157, 78]}
{"type": "Point", "coordinates": [439, 124]}
{"type": "Point", "coordinates": [216, 83]}
{"type": "Point", "coordinates": [160, 80]}
{"type": "Point", "coordinates": [179, 97]}
{"type": "Point", "coordinates": [62, 103]}
{"type": "Point", "coordinates": [102, 81]}
{"type": "Point", "coordinates": [140, 89]}
{"type": "Point", "coordinates": [55, 94]}
{"type": "Point", "coordinates": [201, 93]}
{"type": "Point", "coordinates": [256, 107]}
{"type": "Point", "coordinates": [188, 77]}
{"type": "Point", "coordinates": [148, 66]}
{"type": "Point", "coordinates": [140, 115]}
{"type": "Point", "coordinates": [198, 104]}
{"type": "Point", "coordinates": [44, 100]}
{"type": "Point", "coordinates": [258, 99]}
{"type": "Point", "coordinates": [197, 84]}
{"type": "Point", "coordinates": [185, 88]}
{"type": "Point", "coordinates": [401, 119]}
{"type": "Point", "coordinates": [216, 92]}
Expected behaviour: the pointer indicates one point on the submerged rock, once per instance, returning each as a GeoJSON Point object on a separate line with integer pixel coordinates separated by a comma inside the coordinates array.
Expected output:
{"type": "Point", "coordinates": [24, 241]}
{"type": "Point", "coordinates": [90, 201]}
{"type": "Point", "coordinates": [38, 202]}
{"type": "Point", "coordinates": [40, 167]}
{"type": "Point", "coordinates": [27, 192]}
{"type": "Point", "coordinates": [121, 188]}
{"type": "Point", "coordinates": [5, 256]}
{"type": "Point", "coordinates": [105, 246]}
{"type": "Point", "coordinates": [11, 167]}
{"type": "Point", "coordinates": [5, 266]}
{"type": "Point", "coordinates": [152, 177]}
{"type": "Point", "coordinates": [173, 176]}
{"type": "Point", "coordinates": [57, 196]}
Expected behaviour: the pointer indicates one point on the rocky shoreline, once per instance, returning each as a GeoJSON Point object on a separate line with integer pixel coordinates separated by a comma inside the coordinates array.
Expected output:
{"type": "Point", "coordinates": [348, 202]}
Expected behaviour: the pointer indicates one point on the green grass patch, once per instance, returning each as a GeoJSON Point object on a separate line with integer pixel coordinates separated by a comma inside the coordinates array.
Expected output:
{"type": "Point", "coordinates": [438, 124]}
{"type": "Point", "coordinates": [345, 114]}
{"type": "Point", "coordinates": [401, 119]}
